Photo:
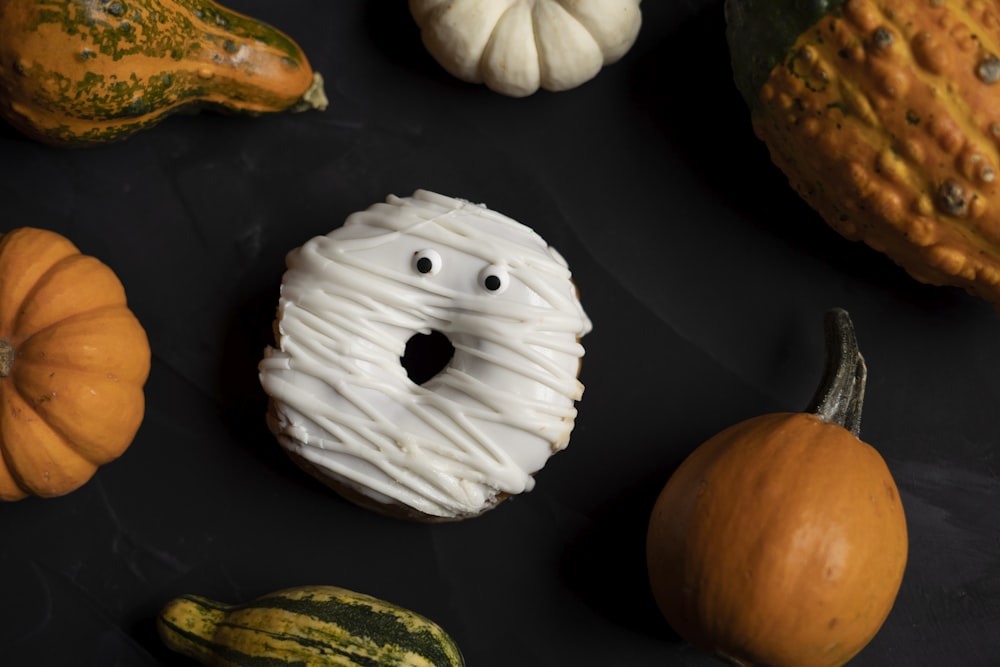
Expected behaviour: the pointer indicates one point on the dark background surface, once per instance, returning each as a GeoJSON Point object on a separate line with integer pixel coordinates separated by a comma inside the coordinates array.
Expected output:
{"type": "Point", "coordinates": [705, 276]}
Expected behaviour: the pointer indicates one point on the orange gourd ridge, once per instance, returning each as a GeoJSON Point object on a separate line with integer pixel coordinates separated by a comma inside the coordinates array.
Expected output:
{"type": "Point", "coordinates": [781, 541]}
{"type": "Point", "coordinates": [73, 364]}
{"type": "Point", "coordinates": [885, 118]}
{"type": "Point", "coordinates": [88, 72]}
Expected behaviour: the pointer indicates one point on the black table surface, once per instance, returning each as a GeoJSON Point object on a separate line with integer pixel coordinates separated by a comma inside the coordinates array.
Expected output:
{"type": "Point", "coordinates": [705, 276]}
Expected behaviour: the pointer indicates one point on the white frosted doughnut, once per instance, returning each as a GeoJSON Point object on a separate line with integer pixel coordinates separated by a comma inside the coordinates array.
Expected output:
{"type": "Point", "coordinates": [342, 404]}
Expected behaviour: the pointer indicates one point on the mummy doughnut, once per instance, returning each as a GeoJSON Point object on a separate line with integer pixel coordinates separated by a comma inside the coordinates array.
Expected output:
{"type": "Point", "coordinates": [342, 405]}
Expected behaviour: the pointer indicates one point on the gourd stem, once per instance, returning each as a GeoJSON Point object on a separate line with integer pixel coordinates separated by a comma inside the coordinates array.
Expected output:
{"type": "Point", "coordinates": [6, 357]}
{"type": "Point", "coordinates": [314, 98]}
{"type": "Point", "coordinates": [841, 391]}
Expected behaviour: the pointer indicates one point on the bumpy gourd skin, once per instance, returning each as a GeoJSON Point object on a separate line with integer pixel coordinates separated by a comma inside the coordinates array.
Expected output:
{"type": "Point", "coordinates": [885, 116]}
{"type": "Point", "coordinates": [762, 32]}
{"type": "Point", "coordinates": [84, 72]}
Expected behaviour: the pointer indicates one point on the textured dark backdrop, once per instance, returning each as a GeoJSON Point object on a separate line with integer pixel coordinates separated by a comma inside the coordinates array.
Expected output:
{"type": "Point", "coordinates": [705, 276]}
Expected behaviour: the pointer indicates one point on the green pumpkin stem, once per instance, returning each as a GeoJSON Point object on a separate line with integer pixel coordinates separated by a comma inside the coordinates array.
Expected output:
{"type": "Point", "coordinates": [841, 391]}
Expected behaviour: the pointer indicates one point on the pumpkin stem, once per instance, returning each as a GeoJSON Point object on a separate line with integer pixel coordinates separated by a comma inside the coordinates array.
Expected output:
{"type": "Point", "coordinates": [841, 391]}
{"type": "Point", "coordinates": [6, 357]}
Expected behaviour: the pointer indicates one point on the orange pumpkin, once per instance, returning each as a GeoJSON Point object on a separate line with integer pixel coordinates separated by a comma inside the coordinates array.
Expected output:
{"type": "Point", "coordinates": [782, 540]}
{"type": "Point", "coordinates": [73, 364]}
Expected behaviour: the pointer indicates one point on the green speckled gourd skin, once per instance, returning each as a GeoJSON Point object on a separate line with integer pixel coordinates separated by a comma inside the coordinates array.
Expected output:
{"type": "Point", "coordinates": [761, 32]}
{"type": "Point", "coordinates": [84, 72]}
{"type": "Point", "coordinates": [319, 626]}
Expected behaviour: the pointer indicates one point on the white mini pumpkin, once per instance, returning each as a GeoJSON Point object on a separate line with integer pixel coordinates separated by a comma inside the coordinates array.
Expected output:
{"type": "Point", "coordinates": [516, 47]}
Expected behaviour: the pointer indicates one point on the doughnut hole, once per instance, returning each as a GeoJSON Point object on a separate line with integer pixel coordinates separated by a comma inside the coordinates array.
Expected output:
{"type": "Point", "coordinates": [426, 355]}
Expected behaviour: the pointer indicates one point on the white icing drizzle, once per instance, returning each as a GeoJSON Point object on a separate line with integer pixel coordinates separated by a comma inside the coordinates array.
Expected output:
{"type": "Point", "coordinates": [350, 301]}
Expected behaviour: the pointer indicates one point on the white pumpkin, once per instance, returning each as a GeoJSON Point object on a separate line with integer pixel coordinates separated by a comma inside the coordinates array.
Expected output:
{"type": "Point", "coordinates": [516, 47]}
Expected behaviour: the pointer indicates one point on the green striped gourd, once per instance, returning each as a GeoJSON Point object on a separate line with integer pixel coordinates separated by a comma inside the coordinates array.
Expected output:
{"type": "Point", "coordinates": [87, 72]}
{"type": "Point", "coordinates": [317, 626]}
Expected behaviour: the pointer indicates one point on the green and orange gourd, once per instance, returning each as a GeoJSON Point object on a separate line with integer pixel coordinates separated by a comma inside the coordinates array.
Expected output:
{"type": "Point", "coordinates": [88, 72]}
{"type": "Point", "coordinates": [315, 625]}
{"type": "Point", "coordinates": [885, 117]}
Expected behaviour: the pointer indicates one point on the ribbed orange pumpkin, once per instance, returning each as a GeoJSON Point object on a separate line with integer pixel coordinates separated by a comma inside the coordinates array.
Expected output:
{"type": "Point", "coordinates": [73, 364]}
{"type": "Point", "coordinates": [781, 541]}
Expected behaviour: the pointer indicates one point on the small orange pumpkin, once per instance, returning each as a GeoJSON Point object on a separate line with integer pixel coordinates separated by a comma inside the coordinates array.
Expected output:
{"type": "Point", "coordinates": [73, 364]}
{"type": "Point", "coordinates": [782, 541]}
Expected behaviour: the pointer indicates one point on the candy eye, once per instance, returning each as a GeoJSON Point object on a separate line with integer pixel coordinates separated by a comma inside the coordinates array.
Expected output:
{"type": "Point", "coordinates": [494, 278]}
{"type": "Point", "coordinates": [426, 262]}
